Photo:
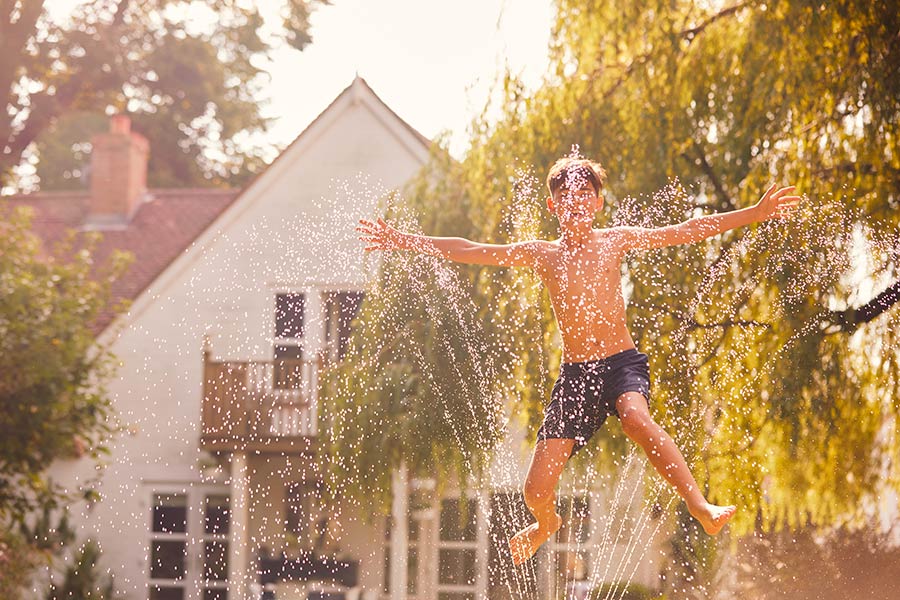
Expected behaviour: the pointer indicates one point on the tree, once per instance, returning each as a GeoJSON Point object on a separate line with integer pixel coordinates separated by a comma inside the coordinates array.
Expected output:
{"type": "Point", "coordinates": [52, 371]}
{"type": "Point", "coordinates": [773, 349]}
{"type": "Point", "coordinates": [18, 560]}
{"type": "Point", "coordinates": [83, 579]}
{"type": "Point", "coordinates": [736, 98]}
{"type": "Point", "coordinates": [418, 385]}
{"type": "Point", "coordinates": [37, 542]}
{"type": "Point", "coordinates": [190, 85]}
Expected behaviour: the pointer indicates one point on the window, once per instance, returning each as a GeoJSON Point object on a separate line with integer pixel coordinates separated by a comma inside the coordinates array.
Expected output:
{"type": "Point", "coordinates": [216, 526]}
{"type": "Point", "coordinates": [168, 559]}
{"type": "Point", "coordinates": [170, 513]}
{"type": "Point", "coordinates": [189, 523]}
{"type": "Point", "coordinates": [508, 515]}
{"type": "Point", "coordinates": [412, 557]}
{"type": "Point", "coordinates": [168, 547]}
{"type": "Point", "coordinates": [289, 328]}
{"type": "Point", "coordinates": [457, 549]}
{"type": "Point", "coordinates": [217, 516]}
{"type": "Point", "coordinates": [571, 542]}
{"type": "Point", "coordinates": [576, 523]}
{"type": "Point", "coordinates": [166, 593]}
{"type": "Point", "coordinates": [289, 315]}
{"type": "Point", "coordinates": [340, 310]}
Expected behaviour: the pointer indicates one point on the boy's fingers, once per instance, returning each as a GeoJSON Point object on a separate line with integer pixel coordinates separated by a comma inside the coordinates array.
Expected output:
{"type": "Point", "coordinates": [784, 191]}
{"type": "Point", "coordinates": [769, 191]}
{"type": "Point", "coordinates": [785, 212]}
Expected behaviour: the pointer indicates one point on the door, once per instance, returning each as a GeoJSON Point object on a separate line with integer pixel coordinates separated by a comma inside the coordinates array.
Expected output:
{"type": "Point", "coordinates": [188, 543]}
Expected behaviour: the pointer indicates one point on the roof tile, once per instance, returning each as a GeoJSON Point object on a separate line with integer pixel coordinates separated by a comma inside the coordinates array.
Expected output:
{"type": "Point", "coordinates": [164, 225]}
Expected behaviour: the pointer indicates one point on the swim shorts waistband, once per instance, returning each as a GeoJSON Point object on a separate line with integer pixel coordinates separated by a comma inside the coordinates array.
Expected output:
{"type": "Point", "coordinates": [600, 363]}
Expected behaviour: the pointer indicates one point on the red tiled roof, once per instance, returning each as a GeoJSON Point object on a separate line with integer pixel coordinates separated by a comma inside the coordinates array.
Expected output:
{"type": "Point", "coordinates": [163, 227]}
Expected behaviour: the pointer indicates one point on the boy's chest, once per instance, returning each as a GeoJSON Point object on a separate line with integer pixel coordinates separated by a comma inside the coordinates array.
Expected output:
{"type": "Point", "coordinates": [589, 271]}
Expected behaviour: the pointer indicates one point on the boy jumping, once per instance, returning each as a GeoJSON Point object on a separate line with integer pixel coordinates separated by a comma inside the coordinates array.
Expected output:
{"type": "Point", "coordinates": [602, 372]}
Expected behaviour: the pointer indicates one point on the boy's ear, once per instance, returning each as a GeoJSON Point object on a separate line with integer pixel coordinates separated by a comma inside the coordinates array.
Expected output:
{"type": "Point", "coordinates": [550, 206]}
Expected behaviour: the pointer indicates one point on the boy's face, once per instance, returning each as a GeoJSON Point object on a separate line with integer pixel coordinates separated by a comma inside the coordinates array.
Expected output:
{"type": "Point", "coordinates": [576, 205]}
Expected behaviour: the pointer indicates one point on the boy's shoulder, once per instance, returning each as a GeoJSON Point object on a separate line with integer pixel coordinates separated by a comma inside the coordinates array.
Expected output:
{"type": "Point", "coordinates": [617, 236]}
{"type": "Point", "coordinates": [619, 239]}
{"type": "Point", "coordinates": [539, 245]}
{"type": "Point", "coordinates": [539, 251]}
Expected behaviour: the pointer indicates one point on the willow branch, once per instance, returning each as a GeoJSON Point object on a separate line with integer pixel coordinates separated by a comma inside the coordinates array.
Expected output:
{"type": "Point", "coordinates": [729, 323]}
{"type": "Point", "coordinates": [690, 34]}
{"type": "Point", "coordinates": [707, 169]}
{"type": "Point", "coordinates": [850, 319]}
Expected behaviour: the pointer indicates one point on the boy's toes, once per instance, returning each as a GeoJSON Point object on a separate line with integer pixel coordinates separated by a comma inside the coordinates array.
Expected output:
{"type": "Point", "coordinates": [521, 546]}
{"type": "Point", "coordinates": [720, 516]}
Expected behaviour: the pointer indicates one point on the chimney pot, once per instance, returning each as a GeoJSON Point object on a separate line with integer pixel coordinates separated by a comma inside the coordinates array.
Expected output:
{"type": "Point", "coordinates": [120, 124]}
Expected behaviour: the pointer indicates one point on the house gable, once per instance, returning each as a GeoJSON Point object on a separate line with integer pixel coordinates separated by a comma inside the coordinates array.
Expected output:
{"type": "Point", "coordinates": [357, 148]}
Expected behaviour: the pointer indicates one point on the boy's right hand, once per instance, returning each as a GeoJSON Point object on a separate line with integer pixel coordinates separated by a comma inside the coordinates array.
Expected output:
{"type": "Point", "coordinates": [379, 235]}
{"type": "Point", "coordinates": [777, 204]}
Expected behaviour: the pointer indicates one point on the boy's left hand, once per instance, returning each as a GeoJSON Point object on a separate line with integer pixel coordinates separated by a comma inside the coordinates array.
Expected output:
{"type": "Point", "coordinates": [780, 204]}
{"type": "Point", "coordinates": [378, 235]}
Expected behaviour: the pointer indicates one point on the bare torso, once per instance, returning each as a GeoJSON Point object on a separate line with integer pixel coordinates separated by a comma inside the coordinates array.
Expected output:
{"type": "Point", "coordinates": [585, 289]}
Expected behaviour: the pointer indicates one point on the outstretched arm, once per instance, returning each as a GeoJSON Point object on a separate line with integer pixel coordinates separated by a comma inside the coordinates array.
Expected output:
{"type": "Point", "coordinates": [774, 204]}
{"type": "Point", "coordinates": [378, 235]}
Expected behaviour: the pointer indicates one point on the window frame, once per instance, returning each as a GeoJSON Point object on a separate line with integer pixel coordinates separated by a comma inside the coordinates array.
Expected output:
{"type": "Point", "coordinates": [194, 582]}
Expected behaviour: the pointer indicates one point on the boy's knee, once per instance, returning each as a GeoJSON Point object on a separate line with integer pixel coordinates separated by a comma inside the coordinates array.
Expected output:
{"type": "Point", "coordinates": [536, 494]}
{"type": "Point", "coordinates": [635, 423]}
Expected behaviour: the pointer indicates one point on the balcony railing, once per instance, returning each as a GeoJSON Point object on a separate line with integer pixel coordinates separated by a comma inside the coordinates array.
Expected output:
{"type": "Point", "coordinates": [264, 406]}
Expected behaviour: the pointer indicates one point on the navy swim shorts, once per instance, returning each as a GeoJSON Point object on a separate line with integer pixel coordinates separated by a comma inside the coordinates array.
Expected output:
{"type": "Point", "coordinates": [585, 395]}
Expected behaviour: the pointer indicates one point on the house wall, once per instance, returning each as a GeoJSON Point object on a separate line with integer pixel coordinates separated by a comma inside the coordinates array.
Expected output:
{"type": "Point", "coordinates": [291, 230]}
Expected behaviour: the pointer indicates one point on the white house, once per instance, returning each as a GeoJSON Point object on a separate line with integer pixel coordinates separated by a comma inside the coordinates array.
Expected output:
{"type": "Point", "coordinates": [213, 492]}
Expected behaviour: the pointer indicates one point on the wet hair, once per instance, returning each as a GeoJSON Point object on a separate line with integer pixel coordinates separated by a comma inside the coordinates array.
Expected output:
{"type": "Point", "coordinates": [570, 173]}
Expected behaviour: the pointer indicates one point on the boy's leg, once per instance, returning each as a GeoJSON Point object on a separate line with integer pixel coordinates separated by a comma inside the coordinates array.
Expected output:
{"type": "Point", "coordinates": [665, 456]}
{"type": "Point", "coordinates": [547, 464]}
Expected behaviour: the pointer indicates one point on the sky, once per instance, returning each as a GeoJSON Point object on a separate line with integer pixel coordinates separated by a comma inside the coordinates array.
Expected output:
{"type": "Point", "coordinates": [432, 62]}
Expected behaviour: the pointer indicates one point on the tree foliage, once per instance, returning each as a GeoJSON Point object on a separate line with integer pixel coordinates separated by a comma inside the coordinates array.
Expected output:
{"type": "Point", "coordinates": [84, 578]}
{"type": "Point", "coordinates": [418, 385]}
{"type": "Point", "coordinates": [188, 72]}
{"type": "Point", "coordinates": [52, 372]}
{"type": "Point", "coordinates": [772, 352]}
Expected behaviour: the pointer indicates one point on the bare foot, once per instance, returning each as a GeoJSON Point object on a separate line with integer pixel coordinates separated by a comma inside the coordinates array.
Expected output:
{"type": "Point", "coordinates": [524, 544]}
{"type": "Point", "coordinates": [713, 517]}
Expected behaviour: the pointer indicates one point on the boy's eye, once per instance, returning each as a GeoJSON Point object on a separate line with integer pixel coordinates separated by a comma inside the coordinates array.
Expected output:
{"type": "Point", "coordinates": [578, 196]}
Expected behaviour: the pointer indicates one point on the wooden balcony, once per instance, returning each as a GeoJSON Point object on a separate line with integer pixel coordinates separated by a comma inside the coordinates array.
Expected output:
{"type": "Point", "coordinates": [259, 406]}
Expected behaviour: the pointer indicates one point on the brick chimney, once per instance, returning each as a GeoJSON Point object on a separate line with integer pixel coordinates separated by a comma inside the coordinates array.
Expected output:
{"type": "Point", "coordinates": [118, 174]}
